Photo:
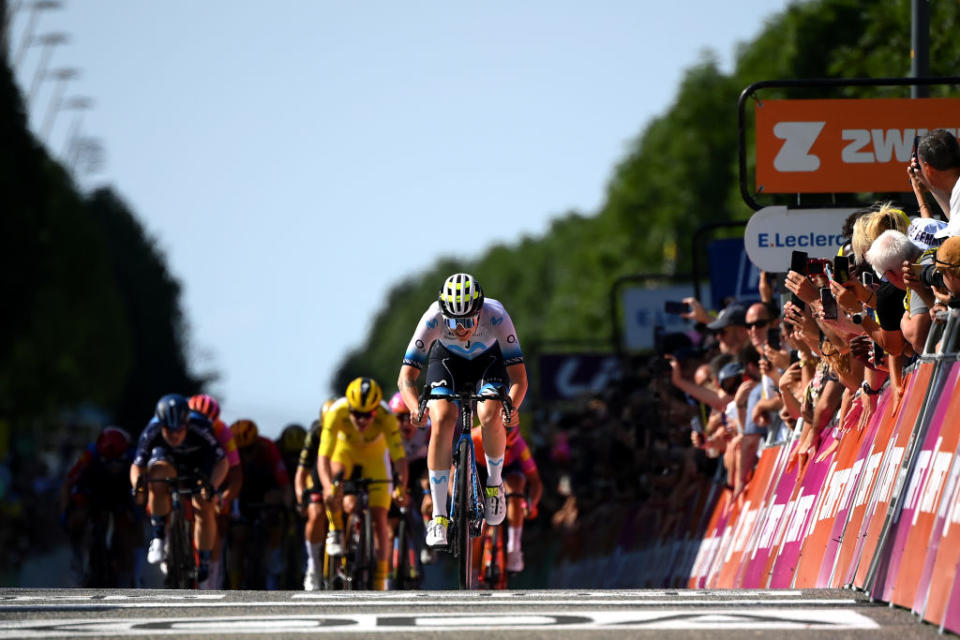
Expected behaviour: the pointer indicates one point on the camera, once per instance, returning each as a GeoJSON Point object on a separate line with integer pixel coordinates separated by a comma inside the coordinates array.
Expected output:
{"type": "Point", "coordinates": [931, 277]}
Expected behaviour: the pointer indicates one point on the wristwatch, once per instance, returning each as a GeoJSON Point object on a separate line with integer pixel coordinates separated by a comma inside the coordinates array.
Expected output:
{"type": "Point", "coordinates": [867, 389]}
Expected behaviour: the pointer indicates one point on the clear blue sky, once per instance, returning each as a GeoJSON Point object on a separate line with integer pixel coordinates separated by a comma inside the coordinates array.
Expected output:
{"type": "Point", "coordinates": [295, 159]}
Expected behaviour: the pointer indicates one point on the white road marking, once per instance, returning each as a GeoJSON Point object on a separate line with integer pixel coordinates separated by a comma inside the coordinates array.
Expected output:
{"type": "Point", "coordinates": [677, 619]}
{"type": "Point", "coordinates": [418, 602]}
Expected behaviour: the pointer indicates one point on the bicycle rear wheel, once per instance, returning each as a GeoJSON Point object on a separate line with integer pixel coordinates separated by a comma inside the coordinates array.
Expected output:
{"type": "Point", "coordinates": [464, 550]}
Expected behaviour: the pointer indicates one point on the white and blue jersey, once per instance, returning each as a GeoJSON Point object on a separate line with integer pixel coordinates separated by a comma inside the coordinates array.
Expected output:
{"type": "Point", "coordinates": [495, 327]}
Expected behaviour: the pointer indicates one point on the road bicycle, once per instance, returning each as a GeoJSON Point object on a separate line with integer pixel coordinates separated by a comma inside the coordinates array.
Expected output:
{"type": "Point", "coordinates": [467, 504]}
{"type": "Point", "coordinates": [181, 560]}
{"type": "Point", "coordinates": [250, 535]}
{"type": "Point", "coordinates": [407, 544]}
{"type": "Point", "coordinates": [355, 568]}
{"type": "Point", "coordinates": [493, 556]}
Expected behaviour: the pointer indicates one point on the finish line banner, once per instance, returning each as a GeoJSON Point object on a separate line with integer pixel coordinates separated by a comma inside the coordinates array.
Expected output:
{"type": "Point", "coordinates": [844, 146]}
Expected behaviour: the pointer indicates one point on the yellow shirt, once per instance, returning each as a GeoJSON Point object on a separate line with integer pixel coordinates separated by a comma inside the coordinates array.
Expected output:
{"type": "Point", "coordinates": [382, 431]}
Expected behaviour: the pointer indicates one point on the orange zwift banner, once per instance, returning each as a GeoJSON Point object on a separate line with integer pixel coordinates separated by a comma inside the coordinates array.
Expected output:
{"type": "Point", "coordinates": [844, 146]}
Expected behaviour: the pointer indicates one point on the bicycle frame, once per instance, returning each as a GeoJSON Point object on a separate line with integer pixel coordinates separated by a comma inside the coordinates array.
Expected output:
{"type": "Point", "coordinates": [355, 569]}
{"type": "Point", "coordinates": [182, 560]}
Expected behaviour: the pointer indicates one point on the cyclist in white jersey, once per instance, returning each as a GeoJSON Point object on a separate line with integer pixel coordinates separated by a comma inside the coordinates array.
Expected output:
{"type": "Point", "coordinates": [465, 340]}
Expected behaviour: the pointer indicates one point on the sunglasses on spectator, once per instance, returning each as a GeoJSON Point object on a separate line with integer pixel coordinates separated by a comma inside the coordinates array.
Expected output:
{"type": "Point", "coordinates": [466, 323]}
{"type": "Point", "coordinates": [361, 415]}
{"type": "Point", "coordinates": [759, 324]}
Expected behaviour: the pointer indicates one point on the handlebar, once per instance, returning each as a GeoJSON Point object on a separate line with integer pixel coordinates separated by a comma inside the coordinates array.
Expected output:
{"type": "Point", "coordinates": [189, 484]}
{"type": "Point", "coordinates": [469, 396]}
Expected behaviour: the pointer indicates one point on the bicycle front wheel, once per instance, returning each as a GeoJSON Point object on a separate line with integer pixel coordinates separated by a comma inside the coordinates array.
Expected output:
{"type": "Point", "coordinates": [462, 509]}
{"type": "Point", "coordinates": [369, 556]}
{"type": "Point", "coordinates": [180, 563]}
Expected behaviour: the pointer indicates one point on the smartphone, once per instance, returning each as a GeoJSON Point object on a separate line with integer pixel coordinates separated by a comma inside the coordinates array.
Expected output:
{"type": "Point", "coordinates": [828, 269]}
{"type": "Point", "coordinates": [773, 339]}
{"type": "Point", "coordinates": [798, 262]}
{"type": "Point", "coordinates": [673, 307]}
{"type": "Point", "coordinates": [841, 269]}
{"type": "Point", "coordinates": [916, 143]}
{"type": "Point", "coordinates": [814, 266]}
{"type": "Point", "coordinates": [867, 278]}
{"type": "Point", "coordinates": [829, 304]}
{"type": "Point", "coordinates": [877, 353]}
{"type": "Point", "coordinates": [794, 356]}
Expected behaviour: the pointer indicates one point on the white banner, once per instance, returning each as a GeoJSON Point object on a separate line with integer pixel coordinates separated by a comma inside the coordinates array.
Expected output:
{"type": "Point", "coordinates": [773, 233]}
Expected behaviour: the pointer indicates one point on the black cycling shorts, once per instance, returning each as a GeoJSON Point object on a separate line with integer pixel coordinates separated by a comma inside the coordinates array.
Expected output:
{"type": "Point", "coordinates": [446, 369]}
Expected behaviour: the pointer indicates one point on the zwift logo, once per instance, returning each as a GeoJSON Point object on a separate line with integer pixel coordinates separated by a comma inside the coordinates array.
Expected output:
{"type": "Point", "coordinates": [799, 240]}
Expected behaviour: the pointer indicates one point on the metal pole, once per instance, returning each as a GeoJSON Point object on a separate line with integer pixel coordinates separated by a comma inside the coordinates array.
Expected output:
{"type": "Point", "coordinates": [919, 45]}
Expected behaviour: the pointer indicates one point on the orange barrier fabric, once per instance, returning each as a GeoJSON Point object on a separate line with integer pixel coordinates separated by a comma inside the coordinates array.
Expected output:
{"type": "Point", "coordinates": [915, 388]}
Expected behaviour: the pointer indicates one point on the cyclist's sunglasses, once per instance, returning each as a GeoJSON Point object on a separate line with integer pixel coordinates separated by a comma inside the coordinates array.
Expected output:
{"type": "Point", "coordinates": [361, 415]}
{"type": "Point", "coordinates": [466, 323]}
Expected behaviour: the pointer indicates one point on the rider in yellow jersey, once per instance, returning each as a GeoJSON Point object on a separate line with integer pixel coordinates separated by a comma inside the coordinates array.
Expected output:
{"type": "Point", "coordinates": [360, 430]}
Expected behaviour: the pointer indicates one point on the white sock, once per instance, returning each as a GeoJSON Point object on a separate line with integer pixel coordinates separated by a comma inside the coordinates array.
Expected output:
{"type": "Point", "coordinates": [438, 491]}
{"type": "Point", "coordinates": [494, 467]}
{"type": "Point", "coordinates": [513, 538]}
{"type": "Point", "coordinates": [315, 556]}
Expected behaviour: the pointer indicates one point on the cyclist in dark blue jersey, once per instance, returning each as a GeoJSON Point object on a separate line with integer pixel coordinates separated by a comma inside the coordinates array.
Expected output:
{"type": "Point", "coordinates": [177, 441]}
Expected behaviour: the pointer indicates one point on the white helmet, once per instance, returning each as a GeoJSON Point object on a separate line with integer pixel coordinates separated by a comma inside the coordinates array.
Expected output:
{"type": "Point", "coordinates": [461, 296]}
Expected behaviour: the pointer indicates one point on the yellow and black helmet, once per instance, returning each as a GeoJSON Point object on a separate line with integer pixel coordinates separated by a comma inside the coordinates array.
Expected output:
{"type": "Point", "coordinates": [245, 433]}
{"type": "Point", "coordinates": [364, 394]}
{"type": "Point", "coordinates": [461, 296]}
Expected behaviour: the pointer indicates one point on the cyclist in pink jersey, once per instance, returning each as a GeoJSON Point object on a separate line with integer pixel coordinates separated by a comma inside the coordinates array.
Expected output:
{"type": "Point", "coordinates": [228, 490]}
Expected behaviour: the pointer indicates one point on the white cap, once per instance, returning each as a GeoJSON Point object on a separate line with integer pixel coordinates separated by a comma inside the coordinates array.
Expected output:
{"type": "Point", "coordinates": [923, 232]}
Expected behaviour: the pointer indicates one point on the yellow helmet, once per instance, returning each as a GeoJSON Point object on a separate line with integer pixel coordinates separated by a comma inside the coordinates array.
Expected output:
{"type": "Point", "coordinates": [245, 433]}
{"type": "Point", "coordinates": [364, 394]}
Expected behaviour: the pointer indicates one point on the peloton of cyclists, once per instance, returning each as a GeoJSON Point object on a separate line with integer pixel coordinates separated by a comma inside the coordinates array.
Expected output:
{"type": "Point", "coordinates": [358, 430]}
{"type": "Point", "coordinates": [175, 442]}
{"type": "Point", "coordinates": [465, 340]}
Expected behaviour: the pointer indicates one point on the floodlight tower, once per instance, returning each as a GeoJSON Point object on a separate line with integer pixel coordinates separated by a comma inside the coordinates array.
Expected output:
{"type": "Point", "coordinates": [27, 39]}
{"type": "Point", "coordinates": [49, 41]}
{"type": "Point", "coordinates": [62, 76]}
{"type": "Point", "coordinates": [79, 105]}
